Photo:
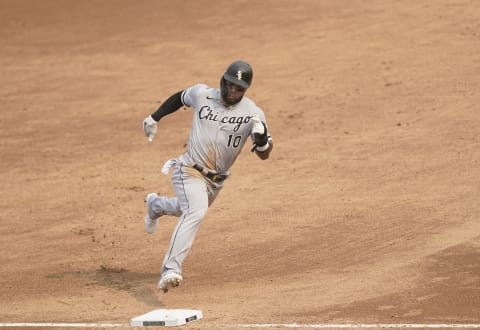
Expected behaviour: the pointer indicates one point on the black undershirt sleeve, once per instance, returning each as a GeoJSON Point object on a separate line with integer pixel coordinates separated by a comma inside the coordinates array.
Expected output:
{"type": "Point", "coordinates": [172, 104]}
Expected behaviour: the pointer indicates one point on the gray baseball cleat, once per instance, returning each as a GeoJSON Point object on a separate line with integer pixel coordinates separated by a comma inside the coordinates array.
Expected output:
{"type": "Point", "coordinates": [171, 280]}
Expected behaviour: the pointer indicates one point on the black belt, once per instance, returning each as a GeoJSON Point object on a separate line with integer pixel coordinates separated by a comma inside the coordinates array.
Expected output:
{"type": "Point", "coordinates": [212, 175]}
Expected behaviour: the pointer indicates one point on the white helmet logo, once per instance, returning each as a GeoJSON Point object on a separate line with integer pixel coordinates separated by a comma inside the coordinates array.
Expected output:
{"type": "Point", "coordinates": [239, 75]}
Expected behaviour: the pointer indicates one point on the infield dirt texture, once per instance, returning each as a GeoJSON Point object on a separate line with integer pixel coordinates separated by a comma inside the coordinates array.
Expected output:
{"type": "Point", "coordinates": [368, 210]}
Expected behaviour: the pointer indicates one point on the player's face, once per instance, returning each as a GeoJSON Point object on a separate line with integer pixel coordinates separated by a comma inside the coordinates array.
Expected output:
{"type": "Point", "coordinates": [234, 92]}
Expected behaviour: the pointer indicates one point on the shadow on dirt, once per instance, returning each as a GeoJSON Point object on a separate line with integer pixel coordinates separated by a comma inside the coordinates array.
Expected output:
{"type": "Point", "coordinates": [138, 285]}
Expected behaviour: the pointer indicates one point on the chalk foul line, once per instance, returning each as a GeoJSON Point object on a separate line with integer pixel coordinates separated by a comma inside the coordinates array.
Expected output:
{"type": "Point", "coordinates": [63, 325]}
{"type": "Point", "coordinates": [265, 325]}
{"type": "Point", "coordinates": [363, 326]}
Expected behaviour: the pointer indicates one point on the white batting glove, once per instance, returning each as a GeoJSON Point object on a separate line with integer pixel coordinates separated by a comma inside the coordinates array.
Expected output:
{"type": "Point", "coordinates": [258, 132]}
{"type": "Point", "coordinates": [150, 127]}
{"type": "Point", "coordinates": [258, 127]}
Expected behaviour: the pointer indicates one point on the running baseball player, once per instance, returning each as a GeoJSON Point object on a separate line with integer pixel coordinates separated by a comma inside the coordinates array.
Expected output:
{"type": "Point", "coordinates": [224, 119]}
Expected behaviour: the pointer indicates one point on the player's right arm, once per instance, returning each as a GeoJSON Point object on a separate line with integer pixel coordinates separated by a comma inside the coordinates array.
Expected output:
{"type": "Point", "coordinates": [187, 98]}
{"type": "Point", "coordinates": [172, 104]}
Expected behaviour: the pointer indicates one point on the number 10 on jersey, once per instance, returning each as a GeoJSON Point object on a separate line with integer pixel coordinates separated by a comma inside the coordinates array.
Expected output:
{"type": "Point", "coordinates": [234, 141]}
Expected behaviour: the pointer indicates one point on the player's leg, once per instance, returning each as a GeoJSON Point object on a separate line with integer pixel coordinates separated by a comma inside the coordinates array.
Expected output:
{"type": "Point", "coordinates": [162, 205]}
{"type": "Point", "coordinates": [158, 206]}
{"type": "Point", "coordinates": [192, 195]}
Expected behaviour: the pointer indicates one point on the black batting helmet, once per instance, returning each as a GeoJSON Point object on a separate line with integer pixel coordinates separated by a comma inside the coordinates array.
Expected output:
{"type": "Point", "coordinates": [239, 73]}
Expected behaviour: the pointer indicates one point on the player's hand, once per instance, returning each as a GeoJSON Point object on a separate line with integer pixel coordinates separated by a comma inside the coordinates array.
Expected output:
{"type": "Point", "coordinates": [259, 131]}
{"type": "Point", "coordinates": [258, 127]}
{"type": "Point", "coordinates": [150, 127]}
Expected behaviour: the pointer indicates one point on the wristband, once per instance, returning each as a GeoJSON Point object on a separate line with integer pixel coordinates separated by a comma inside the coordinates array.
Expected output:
{"type": "Point", "coordinates": [263, 148]}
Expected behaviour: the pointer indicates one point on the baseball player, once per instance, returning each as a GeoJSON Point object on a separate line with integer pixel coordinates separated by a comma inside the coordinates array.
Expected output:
{"type": "Point", "coordinates": [224, 119]}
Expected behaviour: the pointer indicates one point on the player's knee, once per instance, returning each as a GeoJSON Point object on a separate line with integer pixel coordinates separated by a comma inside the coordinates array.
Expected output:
{"type": "Point", "coordinates": [200, 213]}
{"type": "Point", "coordinates": [196, 214]}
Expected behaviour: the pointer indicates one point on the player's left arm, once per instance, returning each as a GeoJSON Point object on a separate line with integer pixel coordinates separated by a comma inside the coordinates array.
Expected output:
{"type": "Point", "coordinates": [262, 141]}
{"type": "Point", "coordinates": [266, 153]}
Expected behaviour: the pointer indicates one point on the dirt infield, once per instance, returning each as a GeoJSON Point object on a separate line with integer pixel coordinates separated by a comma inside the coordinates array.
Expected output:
{"type": "Point", "coordinates": [367, 211]}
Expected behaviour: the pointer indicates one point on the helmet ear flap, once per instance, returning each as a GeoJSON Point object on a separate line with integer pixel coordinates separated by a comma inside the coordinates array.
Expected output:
{"type": "Point", "coordinates": [223, 87]}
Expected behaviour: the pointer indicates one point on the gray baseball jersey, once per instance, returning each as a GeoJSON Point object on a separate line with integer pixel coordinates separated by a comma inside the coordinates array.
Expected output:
{"type": "Point", "coordinates": [218, 133]}
{"type": "Point", "coordinates": [217, 137]}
